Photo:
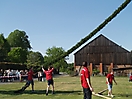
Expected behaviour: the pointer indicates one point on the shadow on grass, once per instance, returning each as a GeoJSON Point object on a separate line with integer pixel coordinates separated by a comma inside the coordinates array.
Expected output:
{"type": "Point", "coordinates": [124, 95]}
{"type": "Point", "coordinates": [12, 92]}
{"type": "Point", "coordinates": [78, 92]}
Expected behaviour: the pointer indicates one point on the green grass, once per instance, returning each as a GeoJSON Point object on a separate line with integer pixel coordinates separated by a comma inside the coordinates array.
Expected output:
{"type": "Point", "coordinates": [66, 88]}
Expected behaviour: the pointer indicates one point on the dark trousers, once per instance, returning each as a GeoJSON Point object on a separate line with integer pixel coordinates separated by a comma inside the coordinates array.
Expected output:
{"type": "Point", "coordinates": [87, 93]}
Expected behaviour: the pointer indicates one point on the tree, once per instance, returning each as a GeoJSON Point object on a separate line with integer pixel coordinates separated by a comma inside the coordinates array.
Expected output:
{"type": "Point", "coordinates": [19, 39]}
{"type": "Point", "coordinates": [51, 54]}
{"type": "Point", "coordinates": [71, 70]}
{"type": "Point", "coordinates": [17, 55]}
{"type": "Point", "coordinates": [35, 59]}
{"type": "Point", "coordinates": [4, 48]}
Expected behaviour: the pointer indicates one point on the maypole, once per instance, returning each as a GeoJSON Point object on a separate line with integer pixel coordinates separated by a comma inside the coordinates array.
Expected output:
{"type": "Point", "coordinates": [101, 26]}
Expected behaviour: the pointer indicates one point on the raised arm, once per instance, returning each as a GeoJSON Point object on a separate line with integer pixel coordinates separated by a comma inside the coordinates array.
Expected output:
{"type": "Point", "coordinates": [52, 68]}
{"type": "Point", "coordinates": [43, 69]}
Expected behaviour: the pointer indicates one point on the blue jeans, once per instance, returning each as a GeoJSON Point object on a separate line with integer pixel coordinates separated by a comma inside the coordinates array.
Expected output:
{"type": "Point", "coordinates": [109, 86]}
{"type": "Point", "coordinates": [87, 93]}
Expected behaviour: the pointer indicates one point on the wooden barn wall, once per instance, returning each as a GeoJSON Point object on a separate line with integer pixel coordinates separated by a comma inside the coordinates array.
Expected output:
{"type": "Point", "coordinates": [104, 51]}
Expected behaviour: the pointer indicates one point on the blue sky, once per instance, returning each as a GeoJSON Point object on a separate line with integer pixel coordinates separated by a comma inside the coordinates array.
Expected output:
{"type": "Point", "coordinates": [63, 23]}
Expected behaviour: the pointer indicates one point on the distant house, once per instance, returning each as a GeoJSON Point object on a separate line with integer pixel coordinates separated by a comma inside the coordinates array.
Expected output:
{"type": "Point", "coordinates": [103, 55]}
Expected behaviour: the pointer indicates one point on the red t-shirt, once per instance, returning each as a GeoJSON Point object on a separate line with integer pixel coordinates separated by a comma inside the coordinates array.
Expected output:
{"type": "Point", "coordinates": [48, 74]}
{"type": "Point", "coordinates": [131, 77]}
{"type": "Point", "coordinates": [85, 74]}
{"type": "Point", "coordinates": [30, 75]}
{"type": "Point", "coordinates": [110, 78]}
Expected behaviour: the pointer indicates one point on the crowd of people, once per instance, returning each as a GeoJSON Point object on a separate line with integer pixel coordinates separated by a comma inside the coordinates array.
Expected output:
{"type": "Point", "coordinates": [18, 75]}
{"type": "Point", "coordinates": [41, 76]}
{"type": "Point", "coordinates": [11, 75]}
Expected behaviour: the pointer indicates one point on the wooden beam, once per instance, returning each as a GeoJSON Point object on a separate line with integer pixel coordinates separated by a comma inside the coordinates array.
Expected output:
{"type": "Point", "coordinates": [100, 95]}
{"type": "Point", "coordinates": [102, 91]}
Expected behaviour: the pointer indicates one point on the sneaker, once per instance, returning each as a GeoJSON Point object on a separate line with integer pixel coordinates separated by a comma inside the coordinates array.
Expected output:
{"type": "Point", "coordinates": [53, 92]}
{"type": "Point", "coordinates": [108, 95]}
{"type": "Point", "coordinates": [112, 96]}
{"type": "Point", "coordinates": [46, 93]}
{"type": "Point", "coordinates": [32, 90]}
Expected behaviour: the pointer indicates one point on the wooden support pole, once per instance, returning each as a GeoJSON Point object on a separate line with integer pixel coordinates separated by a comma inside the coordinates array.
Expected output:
{"type": "Point", "coordinates": [100, 95]}
{"type": "Point", "coordinates": [101, 68]}
{"type": "Point", "coordinates": [102, 91]}
{"type": "Point", "coordinates": [91, 68]}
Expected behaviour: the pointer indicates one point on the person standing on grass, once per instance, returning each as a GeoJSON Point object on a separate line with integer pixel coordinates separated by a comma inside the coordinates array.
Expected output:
{"type": "Point", "coordinates": [49, 79]}
{"type": "Point", "coordinates": [130, 78]}
{"type": "Point", "coordinates": [85, 82]}
{"type": "Point", "coordinates": [29, 80]}
{"type": "Point", "coordinates": [109, 80]}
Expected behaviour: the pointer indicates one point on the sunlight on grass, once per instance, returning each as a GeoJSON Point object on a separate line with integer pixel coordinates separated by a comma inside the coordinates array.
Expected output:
{"type": "Point", "coordinates": [66, 88]}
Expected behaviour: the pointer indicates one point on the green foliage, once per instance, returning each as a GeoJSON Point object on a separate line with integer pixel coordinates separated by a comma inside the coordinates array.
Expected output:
{"type": "Point", "coordinates": [70, 69]}
{"type": "Point", "coordinates": [96, 71]}
{"type": "Point", "coordinates": [51, 54]}
{"type": "Point", "coordinates": [4, 48]}
{"type": "Point", "coordinates": [17, 55]}
{"type": "Point", "coordinates": [19, 39]}
{"type": "Point", "coordinates": [35, 59]}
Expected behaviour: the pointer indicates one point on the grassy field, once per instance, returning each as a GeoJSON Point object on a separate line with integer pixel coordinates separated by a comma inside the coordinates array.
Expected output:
{"type": "Point", "coordinates": [66, 88]}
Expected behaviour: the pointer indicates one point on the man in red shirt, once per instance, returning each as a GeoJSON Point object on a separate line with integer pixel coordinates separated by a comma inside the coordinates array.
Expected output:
{"type": "Point", "coordinates": [49, 79]}
{"type": "Point", "coordinates": [29, 80]}
{"type": "Point", "coordinates": [85, 82]}
{"type": "Point", "coordinates": [109, 81]}
{"type": "Point", "coordinates": [130, 78]}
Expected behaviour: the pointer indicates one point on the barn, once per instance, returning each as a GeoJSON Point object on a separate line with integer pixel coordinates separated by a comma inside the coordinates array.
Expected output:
{"type": "Point", "coordinates": [102, 54]}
